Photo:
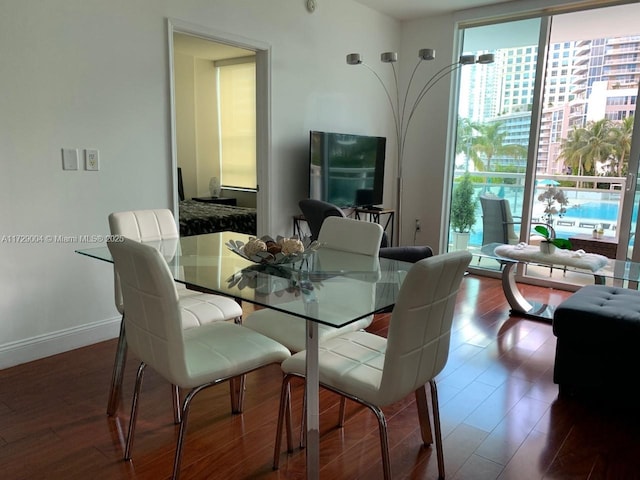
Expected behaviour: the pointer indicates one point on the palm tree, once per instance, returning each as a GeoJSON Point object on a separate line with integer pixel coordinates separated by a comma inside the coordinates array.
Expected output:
{"type": "Point", "coordinates": [599, 143]}
{"type": "Point", "coordinates": [585, 147]}
{"type": "Point", "coordinates": [571, 150]}
{"type": "Point", "coordinates": [490, 143]}
{"type": "Point", "coordinates": [622, 134]}
{"type": "Point", "coordinates": [466, 134]}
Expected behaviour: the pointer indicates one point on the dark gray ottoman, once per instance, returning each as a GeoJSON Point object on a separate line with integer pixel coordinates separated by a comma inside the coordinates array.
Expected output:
{"type": "Point", "coordinates": [598, 348]}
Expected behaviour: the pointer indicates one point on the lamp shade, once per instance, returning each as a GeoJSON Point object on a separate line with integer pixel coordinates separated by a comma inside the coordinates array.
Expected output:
{"type": "Point", "coordinates": [354, 59]}
{"type": "Point", "coordinates": [404, 108]}
{"type": "Point", "coordinates": [467, 59]}
{"type": "Point", "coordinates": [486, 58]}
{"type": "Point", "coordinates": [427, 54]}
{"type": "Point", "coordinates": [389, 57]}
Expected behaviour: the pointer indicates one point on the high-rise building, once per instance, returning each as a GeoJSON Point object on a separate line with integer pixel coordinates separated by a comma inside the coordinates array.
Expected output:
{"type": "Point", "coordinates": [518, 67]}
{"type": "Point", "coordinates": [586, 80]}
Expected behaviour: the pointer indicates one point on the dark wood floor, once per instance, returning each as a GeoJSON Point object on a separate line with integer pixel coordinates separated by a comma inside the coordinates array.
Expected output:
{"type": "Point", "coordinates": [501, 416]}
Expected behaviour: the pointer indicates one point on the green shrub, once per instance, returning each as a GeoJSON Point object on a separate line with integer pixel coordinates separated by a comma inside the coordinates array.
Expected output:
{"type": "Point", "coordinates": [463, 205]}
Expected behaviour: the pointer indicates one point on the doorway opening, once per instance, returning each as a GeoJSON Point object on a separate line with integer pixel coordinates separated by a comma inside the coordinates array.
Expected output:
{"type": "Point", "coordinates": [220, 119]}
{"type": "Point", "coordinates": [215, 119]}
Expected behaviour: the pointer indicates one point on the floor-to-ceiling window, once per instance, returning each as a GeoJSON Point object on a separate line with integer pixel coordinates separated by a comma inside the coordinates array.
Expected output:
{"type": "Point", "coordinates": [571, 170]}
{"type": "Point", "coordinates": [494, 119]}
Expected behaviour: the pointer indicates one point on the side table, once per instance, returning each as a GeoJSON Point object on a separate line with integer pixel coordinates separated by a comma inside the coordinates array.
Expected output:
{"type": "Point", "coordinates": [606, 246]}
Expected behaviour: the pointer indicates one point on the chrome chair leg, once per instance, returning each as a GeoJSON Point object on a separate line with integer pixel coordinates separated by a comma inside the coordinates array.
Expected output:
{"type": "Point", "coordinates": [382, 427]}
{"type": "Point", "coordinates": [284, 415]}
{"type": "Point", "coordinates": [119, 363]}
{"type": "Point", "coordinates": [177, 411]}
{"type": "Point", "coordinates": [384, 440]}
{"type": "Point", "coordinates": [423, 415]}
{"type": "Point", "coordinates": [436, 425]}
{"type": "Point", "coordinates": [134, 411]}
{"type": "Point", "coordinates": [343, 411]}
{"type": "Point", "coordinates": [183, 429]}
{"type": "Point", "coordinates": [289, 420]}
{"type": "Point", "coordinates": [236, 390]}
{"type": "Point", "coordinates": [237, 385]}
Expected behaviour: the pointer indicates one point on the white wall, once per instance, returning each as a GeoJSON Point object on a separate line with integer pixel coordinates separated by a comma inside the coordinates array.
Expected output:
{"type": "Point", "coordinates": [196, 123]}
{"type": "Point", "coordinates": [184, 67]}
{"type": "Point", "coordinates": [206, 124]}
{"type": "Point", "coordinates": [94, 74]}
{"type": "Point", "coordinates": [426, 170]}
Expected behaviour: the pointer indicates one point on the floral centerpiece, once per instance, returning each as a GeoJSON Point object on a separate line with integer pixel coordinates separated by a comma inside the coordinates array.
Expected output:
{"type": "Point", "coordinates": [269, 279]}
{"type": "Point", "coordinates": [266, 250]}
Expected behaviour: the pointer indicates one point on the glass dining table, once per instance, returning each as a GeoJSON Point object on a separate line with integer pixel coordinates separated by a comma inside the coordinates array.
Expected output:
{"type": "Point", "coordinates": [328, 286]}
{"type": "Point", "coordinates": [603, 270]}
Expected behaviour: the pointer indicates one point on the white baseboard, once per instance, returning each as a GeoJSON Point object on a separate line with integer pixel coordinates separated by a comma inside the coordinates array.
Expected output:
{"type": "Point", "coordinates": [30, 349]}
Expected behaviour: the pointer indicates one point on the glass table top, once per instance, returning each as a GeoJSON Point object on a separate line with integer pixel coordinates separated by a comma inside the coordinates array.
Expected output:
{"type": "Point", "coordinates": [613, 269]}
{"type": "Point", "coordinates": [331, 287]}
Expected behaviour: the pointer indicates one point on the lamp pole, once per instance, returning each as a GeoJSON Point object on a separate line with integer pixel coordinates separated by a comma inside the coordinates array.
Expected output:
{"type": "Point", "coordinates": [404, 110]}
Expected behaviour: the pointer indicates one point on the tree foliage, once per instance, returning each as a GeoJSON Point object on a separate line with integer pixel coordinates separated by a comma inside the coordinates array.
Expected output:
{"type": "Point", "coordinates": [482, 142]}
{"type": "Point", "coordinates": [463, 205]}
{"type": "Point", "coordinates": [601, 143]}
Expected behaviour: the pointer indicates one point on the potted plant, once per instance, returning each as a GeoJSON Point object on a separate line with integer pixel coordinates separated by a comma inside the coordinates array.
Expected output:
{"type": "Point", "coordinates": [463, 212]}
{"type": "Point", "coordinates": [550, 242]}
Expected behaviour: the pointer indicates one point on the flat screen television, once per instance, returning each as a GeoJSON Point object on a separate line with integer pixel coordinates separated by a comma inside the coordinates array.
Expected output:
{"type": "Point", "coordinates": [346, 170]}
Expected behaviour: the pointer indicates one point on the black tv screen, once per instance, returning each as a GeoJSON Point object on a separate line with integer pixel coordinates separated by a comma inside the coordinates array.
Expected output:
{"type": "Point", "coordinates": [346, 170]}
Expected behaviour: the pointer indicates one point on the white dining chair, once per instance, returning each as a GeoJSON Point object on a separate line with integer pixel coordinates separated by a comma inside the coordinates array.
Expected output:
{"type": "Point", "coordinates": [376, 371]}
{"type": "Point", "coordinates": [337, 234]}
{"type": "Point", "coordinates": [192, 359]}
{"type": "Point", "coordinates": [159, 227]}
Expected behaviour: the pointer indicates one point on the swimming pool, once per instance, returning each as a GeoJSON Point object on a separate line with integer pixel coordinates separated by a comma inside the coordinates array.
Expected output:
{"type": "Point", "coordinates": [594, 210]}
{"type": "Point", "coordinates": [580, 218]}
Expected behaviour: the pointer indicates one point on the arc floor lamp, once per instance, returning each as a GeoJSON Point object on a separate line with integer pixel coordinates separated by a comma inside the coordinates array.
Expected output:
{"type": "Point", "coordinates": [403, 109]}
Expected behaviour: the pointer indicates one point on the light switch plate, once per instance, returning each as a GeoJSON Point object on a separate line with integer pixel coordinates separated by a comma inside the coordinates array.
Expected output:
{"type": "Point", "coordinates": [70, 159]}
{"type": "Point", "coordinates": [91, 159]}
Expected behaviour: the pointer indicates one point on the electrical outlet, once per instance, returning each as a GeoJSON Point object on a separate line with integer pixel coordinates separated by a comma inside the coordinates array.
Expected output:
{"type": "Point", "coordinates": [418, 226]}
{"type": "Point", "coordinates": [91, 159]}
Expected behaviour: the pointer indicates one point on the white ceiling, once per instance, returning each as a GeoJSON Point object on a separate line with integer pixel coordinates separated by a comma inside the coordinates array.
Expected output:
{"type": "Point", "coordinates": [409, 9]}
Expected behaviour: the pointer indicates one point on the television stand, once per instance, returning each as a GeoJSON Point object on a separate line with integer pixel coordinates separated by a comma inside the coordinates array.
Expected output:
{"type": "Point", "coordinates": [371, 214]}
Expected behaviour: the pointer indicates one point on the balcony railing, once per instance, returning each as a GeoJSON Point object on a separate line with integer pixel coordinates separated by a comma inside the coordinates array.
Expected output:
{"type": "Point", "coordinates": [593, 201]}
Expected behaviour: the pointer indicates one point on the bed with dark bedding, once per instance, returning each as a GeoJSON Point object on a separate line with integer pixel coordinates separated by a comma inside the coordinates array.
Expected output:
{"type": "Point", "coordinates": [198, 217]}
